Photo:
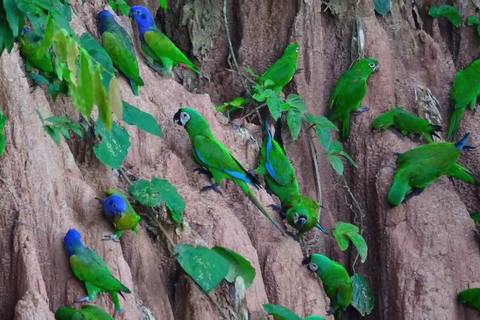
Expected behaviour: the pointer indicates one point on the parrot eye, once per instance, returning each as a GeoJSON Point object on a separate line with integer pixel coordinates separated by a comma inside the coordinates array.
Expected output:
{"type": "Point", "coordinates": [298, 49]}
{"type": "Point", "coordinates": [111, 203]}
{"type": "Point", "coordinates": [372, 65]}
{"type": "Point", "coordinates": [312, 266]}
{"type": "Point", "coordinates": [295, 218]}
{"type": "Point", "coordinates": [115, 206]}
{"type": "Point", "coordinates": [138, 12]}
{"type": "Point", "coordinates": [184, 117]}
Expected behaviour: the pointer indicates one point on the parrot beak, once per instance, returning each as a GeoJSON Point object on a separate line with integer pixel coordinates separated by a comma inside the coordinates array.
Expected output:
{"type": "Point", "coordinates": [176, 118]}
{"type": "Point", "coordinates": [306, 260]}
{"type": "Point", "coordinates": [130, 15]}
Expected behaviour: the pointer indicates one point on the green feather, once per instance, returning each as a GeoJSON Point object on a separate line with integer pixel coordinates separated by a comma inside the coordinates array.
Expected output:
{"type": "Point", "coordinates": [282, 71]}
{"type": "Point", "coordinates": [88, 312]}
{"type": "Point", "coordinates": [129, 219]}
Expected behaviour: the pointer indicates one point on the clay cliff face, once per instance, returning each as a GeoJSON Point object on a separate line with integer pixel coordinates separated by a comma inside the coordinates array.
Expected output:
{"type": "Point", "coordinates": [421, 254]}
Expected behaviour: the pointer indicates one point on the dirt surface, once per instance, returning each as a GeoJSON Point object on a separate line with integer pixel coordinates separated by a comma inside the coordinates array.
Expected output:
{"type": "Point", "coordinates": [421, 254]}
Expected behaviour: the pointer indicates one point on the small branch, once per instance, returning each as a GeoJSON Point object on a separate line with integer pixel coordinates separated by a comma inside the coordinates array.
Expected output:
{"type": "Point", "coordinates": [230, 46]}
{"type": "Point", "coordinates": [254, 110]}
{"type": "Point", "coordinates": [313, 152]}
{"type": "Point", "coordinates": [165, 233]}
{"type": "Point", "coordinates": [125, 176]}
{"type": "Point", "coordinates": [357, 205]}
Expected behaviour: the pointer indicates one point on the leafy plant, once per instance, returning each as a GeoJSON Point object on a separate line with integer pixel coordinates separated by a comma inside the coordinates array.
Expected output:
{"type": "Point", "coordinates": [470, 297]}
{"type": "Point", "coordinates": [345, 231]}
{"type": "Point", "coordinates": [239, 266]}
{"type": "Point", "coordinates": [61, 126]}
{"type": "Point", "coordinates": [145, 121]}
{"type": "Point", "coordinates": [363, 299]}
{"type": "Point", "coordinates": [208, 267]}
{"type": "Point", "coordinates": [282, 313]}
{"type": "Point", "coordinates": [157, 192]}
{"type": "Point", "coordinates": [295, 107]}
{"type": "Point", "coordinates": [474, 21]}
{"type": "Point", "coordinates": [114, 145]}
{"type": "Point", "coordinates": [447, 11]}
{"type": "Point", "coordinates": [234, 105]}
{"type": "Point", "coordinates": [382, 6]}
{"type": "Point", "coordinates": [3, 123]}
{"type": "Point", "coordinates": [120, 4]}
{"type": "Point", "coordinates": [205, 266]}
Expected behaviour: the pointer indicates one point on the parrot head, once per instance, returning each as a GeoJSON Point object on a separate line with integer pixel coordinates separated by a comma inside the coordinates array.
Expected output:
{"type": "Point", "coordinates": [299, 220]}
{"type": "Point", "coordinates": [382, 122]}
{"type": "Point", "coordinates": [143, 17]}
{"type": "Point", "coordinates": [72, 239]}
{"type": "Point", "coordinates": [366, 66]}
{"type": "Point", "coordinates": [308, 260]}
{"type": "Point", "coordinates": [103, 16]}
{"type": "Point", "coordinates": [292, 48]}
{"type": "Point", "coordinates": [115, 204]}
{"type": "Point", "coordinates": [186, 116]}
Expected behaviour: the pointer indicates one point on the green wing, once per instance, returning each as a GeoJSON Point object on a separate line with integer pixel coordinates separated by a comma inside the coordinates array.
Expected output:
{"type": "Point", "coordinates": [461, 173]}
{"type": "Point", "coordinates": [89, 267]}
{"type": "Point", "coordinates": [162, 46]}
{"type": "Point", "coordinates": [409, 122]}
{"type": "Point", "coordinates": [94, 313]}
{"type": "Point", "coordinates": [282, 71]}
{"type": "Point", "coordinates": [347, 96]}
{"type": "Point", "coordinates": [119, 47]}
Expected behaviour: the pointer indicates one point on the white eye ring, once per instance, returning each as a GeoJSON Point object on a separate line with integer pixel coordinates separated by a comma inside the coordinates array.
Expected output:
{"type": "Point", "coordinates": [298, 49]}
{"type": "Point", "coordinates": [312, 266]}
{"type": "Point", "coordinates": [372, 65]}
{"type": "Point", "coordinates": [295, 217]}
{"type": "Point", "coordinates": [138, 12]}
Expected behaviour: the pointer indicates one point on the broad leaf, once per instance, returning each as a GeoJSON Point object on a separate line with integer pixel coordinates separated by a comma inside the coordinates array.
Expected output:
{"type": "Point", "coordinates": [38, 78]}
{"type": "Point", "coordinates": [49, 33]}
{"type": "Point", "coordinates": [251, 72]}
{"type": "Point", "coordinates": [96, 51]}
{"type": "Point", "coordinates": [382, 6]}
{"type": "Point", "coordinates": [294, 121]}
{"type": "Point", "coordinates": [336, 163]}
{"type": "Point", "coordinates": [295, 101]}
{"type": "Point", "coordinates": [347, 156]}
{"type": "Point", "coordinates": [113, 150]}
{"type": "Point", "coordinates": [205, 266]}
{"type": "Point", "coordinates": [145, 121]}
{"type": "Point", "coordinates": [101, 100]}
{"type": "Point", "coordinates": [274, 103]}
{"type": "Point", "coordinates": [115, 100]}
{"type": "Point", "coordinates": [325, 137]}
{"type": "Point", "coordinates": [280, 312]}
{"type": "Point", "coordinates": [473, 21]}
{"type": "Point", "coordinates": [447, 11]}
{"type": "Point", "coordinates": [239, 266]}
{"type": "Point", "coordinates": [363, 299]}
{"type": "Point", "coordinates": [86, 84]}
{"type": "Point", "coordinates": [54, 133]}
{"type": "Point", "coordinates": [345, 231]}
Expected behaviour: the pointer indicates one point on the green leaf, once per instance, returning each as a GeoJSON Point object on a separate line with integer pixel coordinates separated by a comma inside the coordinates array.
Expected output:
{"type": "Point", "coordinates": [205, 266]}
{"type": "Point", "coordinates": [49, 33]}
{"type": "Point", "coordinates": [260, 96]}
{"type": "Point", "coordinates": [75, 128]}
{"type": "Point", "coordinates": [280, 312]}
{"type": "Point", "coordinates": [314, 318]}
{"type": "Point", "coordinates": [54, 133]}
{"type": "Point", "coordinates": [335, 147]}
{"type": "Point", "coordinates": [297, 102]}
{"type": "Point", "coordinates": [113, 5]}
{"type": "Point", "coordinates": [145, 121]}
{"type": "Point", "coordinates": [64, 131]}
{"type": "Point", "coordinates": [382, 6]}
{"type": "Point", "coordinates": [325, 137]}
{"type": "Point", "coordinates": [294, 121]}
{"type": "Point", "coordinates": [153, 194]}
{"type": "Point", "coordinates": [344, 230]}
{"type": "Point", "coordinates": [274, 103]}
{"type": "Point", "coordinates": [470, 297]}
{"type": "Point", "coordinates": [102, 101]}
{"type": "Point", "coordinates": [347, 156]}
{"type": "Point", "coordinates": [251, 72]}
{"type": "Point", "coordinates": [363, 299]}
{"type": "Point", "coordinates": [321, 122]}
{"type": "Point", "coordinates": [38, 78]}
{"type": "Point", "coordinates": [96, 52]}
{"type": "Point", "coordinates": [447, 11]}
{"type": "Point", "coordinates": [475, 215]}
{"type": "Point", "coordinates": [124, 7]}
{"type": "Point", "coordinates": [13, 16]}
{"type": "Point", "coordinates": [239, 266]}
{"type": "Point", "coordinates": [113, 149]}
{"type": "Point", "coordinates": [163, 4]}
{"type": "Point", "coordinates": [336, 163]}
{"type": "Point", "coordinates": [57, 120]}
{"type": "Point", "coordinates": [86, 85]}
{"type": "Point", "coordinates": [6, 36]}
{"type": "Point", "coordinates": [473, 21]}
{"type": "Point", "coordinates": [115, 100]}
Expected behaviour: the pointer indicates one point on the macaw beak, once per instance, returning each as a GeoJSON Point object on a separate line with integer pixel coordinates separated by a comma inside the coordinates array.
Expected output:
{"type": "Point", "coordinates": [131, 15]}
{"type": "Point", "coordinates": [306, 260]}
{"type": "Point", "coordinates": [176, 118]}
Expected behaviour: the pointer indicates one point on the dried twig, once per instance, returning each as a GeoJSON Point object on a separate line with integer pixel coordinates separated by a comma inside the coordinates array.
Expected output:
{"type": "Point", "coordinates": [125, 176]}
{"type": "Point", "coordinates": [313, 153]}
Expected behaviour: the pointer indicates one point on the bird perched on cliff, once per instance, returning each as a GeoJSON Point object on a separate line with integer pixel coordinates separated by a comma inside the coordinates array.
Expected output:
{"type": "Point", "coordinates": [34, 48]}
{"type": "Point", "coordinates": [282, 71]}
{"type": "Point", "coordinates": [300, 211]}
{"type": "Point", "coordinates": [465, 89]}
{"type": "Point", "coordinates": [402, 122]}
{"type": "Point", "coordinates": [216, 161]}
{"type": "Point", "coordinates": [423, 165]}
{"type": "Point", "coordinates": [120, 212]}
{"type": "Point", "coordinates": [88, 312]}
{"type": "Point", "coordinates": [119, 46]}
{"type": "Point", "coordinates": [156, 44]}
{"type": "Point", "coordinates": [3, 140]}
{"type": "Point", "coordinates": [90, 268]}
{"type": "Point", "coordinates": [348, 94]}
{"type": "Point", "coordinates": [336, 282]}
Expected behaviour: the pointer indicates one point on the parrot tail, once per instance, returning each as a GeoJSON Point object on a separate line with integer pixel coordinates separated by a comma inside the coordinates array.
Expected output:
{"type": "Point", "coordinates": [115, 300]}
{"type": "Point", "coordinates": [457, 116]}
{"type": "Point", "coordinates": [257, 203]}
{"type": "Point", "coordinates": [398, 191]}
{"type": "Point", "coordinates": [462, 144]}
{"type": "Point", "coordinates": [344, 123]}
{"type": "Point", "coordinates": [134, 87]}
{"type": "Point", "coordinates": [278, 134]}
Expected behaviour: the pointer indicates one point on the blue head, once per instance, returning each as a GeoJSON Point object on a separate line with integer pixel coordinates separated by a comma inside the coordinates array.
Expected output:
{"type": "Point", "coordinates": [114, 205]}
{"type": "Point", "coordinates": [462, 144]}
{"type": "Point", "coordinates": [103, 16]}
{"type": "Point", "coordinates": [144, 19]}
{"type": "Point", "coordinates": [72, 239]}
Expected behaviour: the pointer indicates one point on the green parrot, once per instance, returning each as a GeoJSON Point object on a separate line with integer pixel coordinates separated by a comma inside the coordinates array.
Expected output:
{"type": "Point", "coordinates": [90, 268]}
{"type": "Point", "coordinates": [32, 48]}
{"type": "Point", "coordinates": [465, 89]}
{"type": "Point", "coordinates": [216, 161]}
{"type": "Point", "coordinates": [348, 94]}
{"type": "Point", "coordinates": [88, 312]}
{"type": "Point", "coordinates": [119, 211]}
{"type": "Point", "coordinates": [156, 44]}
{"type": "Point", "coordinates": [119, 46]}
{"type": "Point", "coordinates": [423, 165]}
{"type": "Point", "coordinates": [3, 123]}
{"type": "Point", "coordinates": [300, 211]}
{"type": "Point", "coordinates": [402, 122]}
{"type": "Point", "coordinates": [282, 71]}
{"type": "Point", "coordinates": [336, 282]}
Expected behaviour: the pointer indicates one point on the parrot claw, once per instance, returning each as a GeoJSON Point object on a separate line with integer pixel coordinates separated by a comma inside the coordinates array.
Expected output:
{"type": "Point", "coordinates": [203, 171]}
{"type": "Point", "coordinates": [415, 192]}
{"type": "Point", "coordinates": [361, 110]}
{"type": "Point", "coordinates": [113, 237]}
{"type": "Point", "coordinates": [84, 299]}
{"type": "Point", "coordinates": [213, 187]}
{"type": "Point", "coordinates": [330, 311]}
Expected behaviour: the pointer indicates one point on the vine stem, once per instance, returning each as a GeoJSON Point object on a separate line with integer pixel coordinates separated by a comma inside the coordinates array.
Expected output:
{"type": "Point", "coordinates": [230, 46]}
{"type": "Point", "coordinates": [313, 152]}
